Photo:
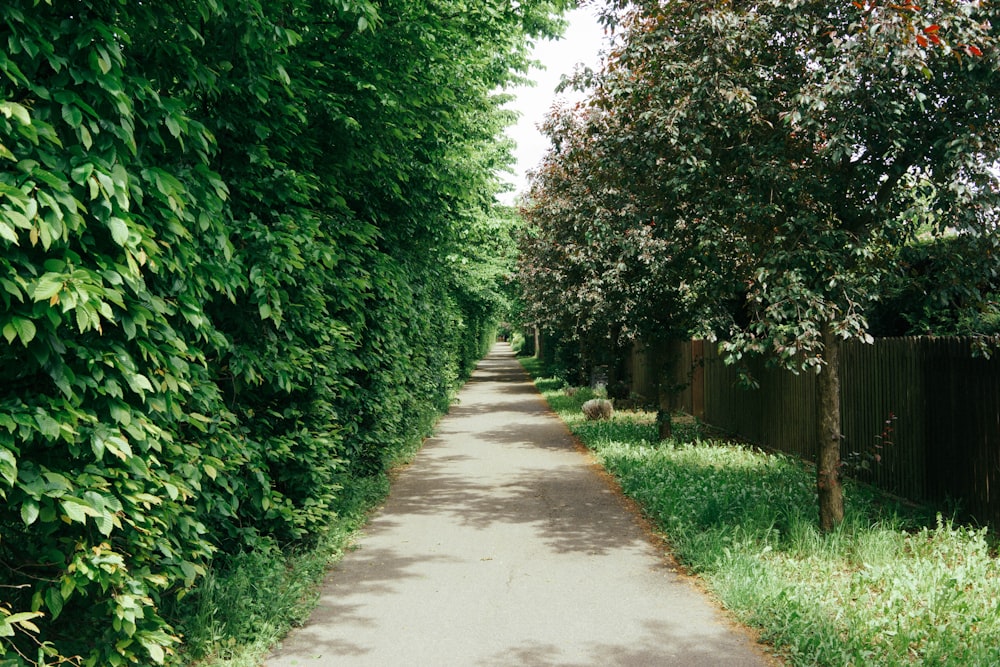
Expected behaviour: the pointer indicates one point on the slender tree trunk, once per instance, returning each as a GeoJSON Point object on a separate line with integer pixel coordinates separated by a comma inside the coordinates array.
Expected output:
{"type": "Point", "coordinates": [831, 498]}
{"type": "Point", "coordinates": [665, 367]}
{"type": "Point", "coordinates": [664, 424]}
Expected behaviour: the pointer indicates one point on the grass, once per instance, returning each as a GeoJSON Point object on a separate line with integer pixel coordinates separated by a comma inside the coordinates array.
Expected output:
{"type": "Point", "coordinates": [892, 586]}
{"type": "Point", "coordinates": [247, 604]}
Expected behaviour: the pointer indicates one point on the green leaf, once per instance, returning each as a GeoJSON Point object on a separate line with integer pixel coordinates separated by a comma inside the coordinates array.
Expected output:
{"type": "Point", "coordinates": [173, 126]}
{"type": "Point", "coordinates": [78, 509]}
{"type": "Point", "coordinates": [24, 328]}
{"type": "Point", "coordinates": [81, 173]}
{"type": "Point", "coordinates": [73, 509]}
{"type": "Point", "coordinates": [105, 523]}
{"type": "Point", "coordinates": [8, 233]}
{"type": "Point", "coordinates": [16, 111]}
{"type": "Point", "coordinates": [22, 618]}
{"type": "Point", "coordinates": [121, 413]}
{"type": "Point", "coordinates": [97, 444]}
{"type": "Point", "coordinates": [118, 447]}
{"type": "Point", "coordinates": [29, 512]}
{"type": "Point", "coordinates": [100, 56]}
{"type": "Point", "coordinates": [54, 601]}
{"type": "Point", "coordinates": [67, 587]}
{"type": "Point", "coordinates": [47, 426]}
{"type": "Point", "coordinates": [138, 382]}
{"type": "Point", "coordinates": [61, 379]}
{"type": "Point", "coordinates": [8, 466]}
{"type": "Point", "coordinates": [19, 219]}
{"type": "Point", "coordinates": [119, 230]}
{"type": "Point", "coordinates": [86, 317]}
{"type": "Point", "coordinates": [190, 572]}
{"type": "Point", "coordinates": [72, 115]}
{"type": "Point", "coordinates": [12, 288]}
{"type": "Point", "coordinates": [49, 285]}
{"type": "Point", "coordinates": [85, 137]}
{"type": "Point", "coordinates": [155, 652]}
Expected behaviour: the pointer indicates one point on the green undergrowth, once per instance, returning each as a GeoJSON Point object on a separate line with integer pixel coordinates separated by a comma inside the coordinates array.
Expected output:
{"type": "Point", "coordinates": [894, 585]}
{"type": "Point", "coordinates": [244, 606]}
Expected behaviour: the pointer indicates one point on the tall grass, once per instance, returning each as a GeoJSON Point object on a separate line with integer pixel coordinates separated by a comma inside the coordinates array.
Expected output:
{"type": "Point", "coordinates": [893, 585]}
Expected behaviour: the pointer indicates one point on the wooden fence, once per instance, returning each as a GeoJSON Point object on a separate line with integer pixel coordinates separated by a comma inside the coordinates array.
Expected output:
{"type": "Point", "coordinates": [920, 416]}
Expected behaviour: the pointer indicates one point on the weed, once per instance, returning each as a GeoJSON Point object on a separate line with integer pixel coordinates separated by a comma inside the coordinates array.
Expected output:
{"type": "Point", "coordinates": [864, 461]}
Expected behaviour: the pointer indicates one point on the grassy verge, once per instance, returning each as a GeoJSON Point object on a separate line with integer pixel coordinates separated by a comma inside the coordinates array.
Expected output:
{"type": "Point", "coordinates": [890, 587]}
{"type": "Point", "coordinates": [244, 606]}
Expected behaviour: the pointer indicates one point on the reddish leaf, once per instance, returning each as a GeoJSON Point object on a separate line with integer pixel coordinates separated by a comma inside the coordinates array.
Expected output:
{"type": "Point", "coordinates": [973, 50]}
{"type": "Point", "coordinates": [921, 40]}
{"type": "Point", "coordinates": [931, 29]}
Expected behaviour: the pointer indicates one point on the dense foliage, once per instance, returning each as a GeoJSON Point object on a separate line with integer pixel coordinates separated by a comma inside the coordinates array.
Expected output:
{"type": "Point", "coordinates": [245, 252]}
{"type": "Point", "coordinates": [594, 269]}
{"type": "Point", "coordinates": [754, 173]}
{"type": "Point", "coordinates": [933, 295]}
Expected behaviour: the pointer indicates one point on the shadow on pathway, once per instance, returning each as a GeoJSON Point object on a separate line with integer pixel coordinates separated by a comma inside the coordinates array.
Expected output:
{"type": "Point", "coordinates": [502, 545]}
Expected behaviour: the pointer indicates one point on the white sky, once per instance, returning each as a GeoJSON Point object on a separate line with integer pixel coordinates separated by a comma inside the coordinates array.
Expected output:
{"type": "Point", "coordinates": [582, 42]}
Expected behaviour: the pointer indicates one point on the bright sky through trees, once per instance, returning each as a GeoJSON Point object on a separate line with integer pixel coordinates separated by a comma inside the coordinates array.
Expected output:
{"type": "Point", "coordinates": [582, 42]}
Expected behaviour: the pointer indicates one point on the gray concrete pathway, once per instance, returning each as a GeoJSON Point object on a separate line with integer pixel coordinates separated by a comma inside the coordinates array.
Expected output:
{"type": "Point", "coordinates": [501, 544]}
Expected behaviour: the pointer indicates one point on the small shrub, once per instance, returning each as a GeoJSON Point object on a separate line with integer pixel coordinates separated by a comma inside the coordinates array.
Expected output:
{"type": "Point", "coordinates": [598, 408]}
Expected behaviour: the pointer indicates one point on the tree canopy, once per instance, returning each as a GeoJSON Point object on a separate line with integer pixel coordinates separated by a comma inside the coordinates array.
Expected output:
{"type": "Point", "coordinates": [781, 157]}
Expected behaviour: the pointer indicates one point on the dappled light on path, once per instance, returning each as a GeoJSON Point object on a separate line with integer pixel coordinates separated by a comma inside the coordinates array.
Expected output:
{"type": "Point", "coordinates": [503, 545]}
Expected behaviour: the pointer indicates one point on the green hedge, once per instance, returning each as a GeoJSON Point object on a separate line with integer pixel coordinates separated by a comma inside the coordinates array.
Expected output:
{"type": "Point", "coordinates": [230, 275]}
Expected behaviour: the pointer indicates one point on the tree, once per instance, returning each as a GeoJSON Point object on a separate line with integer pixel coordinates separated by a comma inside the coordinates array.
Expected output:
{"type": "Point", "coordinates": [592, 265]}
{"type": "Point", "coordinates": [791, 149]}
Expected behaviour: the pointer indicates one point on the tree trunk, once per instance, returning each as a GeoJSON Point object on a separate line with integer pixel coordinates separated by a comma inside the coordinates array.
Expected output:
{"type": "Point", "coordinates": [831, 498]}
{"type": "Point", "coordinates": [664, 425]}
{"type": "Point", "coordinates": [666, 361]}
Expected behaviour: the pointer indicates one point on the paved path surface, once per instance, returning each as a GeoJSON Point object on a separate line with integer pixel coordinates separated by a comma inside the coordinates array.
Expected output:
{"type": "Point", "coordinates": [503, 545]}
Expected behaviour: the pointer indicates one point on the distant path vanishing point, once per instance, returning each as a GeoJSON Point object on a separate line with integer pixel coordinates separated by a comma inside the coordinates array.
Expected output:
{"type": "Point", "coordinates": [502, 544]}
